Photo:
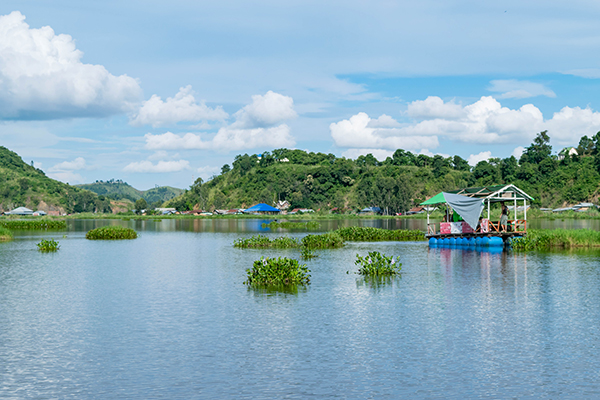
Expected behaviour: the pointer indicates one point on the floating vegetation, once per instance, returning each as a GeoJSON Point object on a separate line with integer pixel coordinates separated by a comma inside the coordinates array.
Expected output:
{"type": "Point", "coordinates": [377, 264]}
{"type": "Point", "coordinates": [47, 246]}
{"type": "Point", "coordinates": [111, 233]}
{"type": "Point", "coordinates": [277, 271]}
{"type": "Point", "coordinates": [5, 234]}
{"type": "Point", "coordinates": [306, 253]}
{"type": "Point", "coordinates": [330, 240]}
{"type": "Point", "coordinates": [291, 225]}
{"type": "Point", "coordinates": [369, 234]}
{"type": "Point", "coordinates": [258, 241]}
{"type": "Point", "coordinates": [537, 239]}
{"type": "Point", "coordinates": [25, 224]}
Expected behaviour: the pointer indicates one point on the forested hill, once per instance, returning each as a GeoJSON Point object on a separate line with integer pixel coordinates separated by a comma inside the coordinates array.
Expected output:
{"type": "Point", "coordinates": [317, 180]}
{"type": "Point", "coordinates": [118, 190]}
{"type": "Point", "coordinates": [22, 184]}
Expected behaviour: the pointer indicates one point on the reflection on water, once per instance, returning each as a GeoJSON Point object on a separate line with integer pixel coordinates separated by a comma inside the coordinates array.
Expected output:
{"type": "Point", "coordinates": [167, 316]}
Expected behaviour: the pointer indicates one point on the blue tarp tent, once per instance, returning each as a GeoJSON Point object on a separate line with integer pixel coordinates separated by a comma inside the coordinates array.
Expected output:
{"type": "Point", "coordinates": [261, 207]}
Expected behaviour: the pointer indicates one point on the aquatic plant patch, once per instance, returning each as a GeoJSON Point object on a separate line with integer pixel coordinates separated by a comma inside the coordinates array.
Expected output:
{"type": "Point", "coordinates": [47, 246]}
{"type": "Point", "coordinates": [111, 233]}
{"type": "Point", "coordinates": [292, 225]}
{"type": "Point", "coordinates": [539, 239]}
{"type": "Point", "coordinates": [277, 271]}
{"type": "Point", "coordinates": [5, 234]}
{"type": "Point", "coordinates": [259, 241]}
{"type": "Point", "coordinates": [369, 234]}
{"type": "Point", "coordinates": [306, 253]}
{"type": "Point", "coordinates": [330, 240]}
{"type": "Point", "coordinates": [377, 264]}
{"type": "Point", "coordinates": [25, 224]}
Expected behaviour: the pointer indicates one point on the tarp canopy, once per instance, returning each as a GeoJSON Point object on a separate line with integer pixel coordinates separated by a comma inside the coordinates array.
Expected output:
{"type": "Point", "coordinates": [468, 208]}
{"type": "Point", "coordinates": [261, 207]}
{"type": "Point", "coordinates": [437, 199]}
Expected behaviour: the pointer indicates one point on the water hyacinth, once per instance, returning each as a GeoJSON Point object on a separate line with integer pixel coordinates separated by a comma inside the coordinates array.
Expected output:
{"type": "Point", "coordinates": [537, 239]}
{"type": "Point", "coordinates": [48, 245]}
{"type": "Point", "coordinates": [377, 264]}
{"type": "Point", "coordinates": [111, 233]}
{"type": "Point", "coordinates": [291, 225]}
{"type": "Point", "coordinates": [369, 234]}
{"type": "Point", "coordinates": [5, 234]}
{"type": "Point", "coordinates": [26, 224]}
{"type": "Point", "coordinates": [330, 240]}
{"type": "Point", "coordinates": [277, 271]}
{"type": "Point", "coordinates": [259, 241]}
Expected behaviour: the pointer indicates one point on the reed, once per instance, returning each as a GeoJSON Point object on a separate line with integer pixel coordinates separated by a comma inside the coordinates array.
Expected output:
{"type": "Point", "coordinates": [330, 240]}
{"type": "Point", "coordinates": [5, 234]}
{"type": "Point", "coordinates": [26, 224]}
{"type": "Point", "coordinates": [369, 234]}
{"type": "Point", "coordinates": [377, 264]}
{"type": "Point", "coordinates": [111, 233]}
{"type": "Point", "coordinates": [258, 242]}
{"type": "Point", "coordinates": [277, 271]}
{"type": "Point", "coordinates": [537, 239]}
{"type": "Point", "coordinates": [47, 246]}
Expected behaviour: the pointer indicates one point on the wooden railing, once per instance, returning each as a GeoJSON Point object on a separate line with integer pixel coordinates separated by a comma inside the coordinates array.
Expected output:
{"type": "Point", "coordinates": [519, 225]}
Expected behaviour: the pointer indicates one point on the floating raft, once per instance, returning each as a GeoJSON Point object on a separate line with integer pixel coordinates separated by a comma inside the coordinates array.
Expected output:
{"type": "Point", "coordinates": [467, 241]}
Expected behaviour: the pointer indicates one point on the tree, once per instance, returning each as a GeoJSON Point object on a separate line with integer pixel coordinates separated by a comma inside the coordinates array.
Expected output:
{"type": "Point", "coordinates": [586, 146]}
{"type": "Point", "coordinates": [460, 164]}
{"type": "Point", "coordinates": [225, 169]}
{"type": "Point", "coordinates": [140, 204]}
{"type": "Point", "coordinates": [539, 150]}
{"type": "Point", "coordinates": [402, 157]}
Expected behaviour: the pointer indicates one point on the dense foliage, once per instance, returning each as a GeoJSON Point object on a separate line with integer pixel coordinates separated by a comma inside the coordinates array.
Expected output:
{"type": "Point", "coordinates": [557, 238]}
{"type": "Point", "coordinates": [22, 184]}
{"type": "Point", "coordinates": [329, 240]}
{"type": "Point", "coordinates": [32, 224]}
{"type": "Point", "coordinates": [369, 234]}
{"type": "Point", "coordinates": [377, 264]}
{"type": "Point", "coordinates": [324, 181]}
{"type": "Point", "coordinates": [111, 233]}
{"type": "Point", "coordinates": [5, 234]}
{"type": "Point", "coordinates": [258, 241]}
{"type": "Point", "coordinates": [48, 245]}
{"type": "Point", "coordinates": [118, 190]}
{"type": "Point", "coordinates": [277, 271]}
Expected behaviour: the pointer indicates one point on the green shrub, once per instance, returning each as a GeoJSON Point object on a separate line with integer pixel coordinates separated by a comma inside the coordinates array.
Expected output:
{"type": "Point", "coordinates": [111, 233]}
{"type": "Point", "coordinates": [259, 241]}
{"type": "Point", "coordinates": [25, 224]}
{"type": "Point", "coordinates": [537, 239]}
{"type": "Point", "coordinates": [377, 264]}
{"type": "Point", "coordinates": [330, 240]}
{"type": "Point", "coordinates": [48, 245]}
{"type": "Point", "coordinates": [369, 234]}
{"type": "Point", "coordinates": [277, 271]}
{"type": "Point", "coordinates": [5, 234]}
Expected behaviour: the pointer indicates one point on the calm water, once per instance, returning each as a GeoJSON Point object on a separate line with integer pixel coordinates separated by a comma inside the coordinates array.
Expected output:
{"type": "Point", "coordinates": [167, 316]}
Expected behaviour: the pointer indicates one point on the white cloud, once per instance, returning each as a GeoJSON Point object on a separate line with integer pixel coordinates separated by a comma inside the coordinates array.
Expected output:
{"type": "Point", "coordinates": [265, 111]}
{"type": "Point", "coordinates": [77, 164]}
{"type": "Point", "coordinates": [518, 152]}
{"type": "Point", "coordinates": [384, 121]}
{"type": "Point", "coordinates": [379, 154]}
{"type": "Point", "coordinates": [207, 172]}
{"type": "Point", "coordinates": [67, 177]}
{"type": "Point", "coordinates": [161, 166]}
{"type": "Point", "coordinates": [589, 73]}
{"type": "Point", "coordinates": [569, 124]}
{"type": "Point", "coordinates": [514, 89]}
{"type": "Point", "coordinates": [182, 107]}
{"type": "Point", "coordinates": [259, 124]}
{"type": "Point", "coordinates": [42, 77]}
{"type": "Point", "coordinates": [434, 107]}
{"type": "Point", "coordinates": [475, 158]}
{"type": "Point", "coordinates": [355, 133]}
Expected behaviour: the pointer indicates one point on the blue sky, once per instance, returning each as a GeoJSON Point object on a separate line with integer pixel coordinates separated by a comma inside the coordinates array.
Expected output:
{"type": "Point", "coordinates": [163, 92]}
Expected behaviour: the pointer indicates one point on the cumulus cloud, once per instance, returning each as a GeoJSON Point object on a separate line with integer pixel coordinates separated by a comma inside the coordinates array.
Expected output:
{"type": "Point", "coordinates": [475, 158]}
{"type": "Point", "coordinates": [434, 107]}
{"type": "Point", "coordinates": [76, 164]}
{"type": "Point", "coordinates": [514, 89]}
{"type": "Point", "coordinates": [259, 124]}
{"type": "Point", "coordinates": [65, 171]}
{"type": "Point", "coordinates": [264, 111]}
{"type": "Point", "coordinates": [207, 172]}
{"type": "Point", "coordinates": [42, 77]}
{"type": "Point", "coordinates": [161, 166]}
{"type": "Point", "coordinates": [384, 121]}
{"type": "Point", "coordinates": [182, 107]}
{"type": "Point", "coordinates": [379, 154]}
{"type": "Point", "coordinates": [518, 152]}
{"type": "Point", "coordinates": [356, 133]}
{"type": "Point", "coordinates": [569, 124]}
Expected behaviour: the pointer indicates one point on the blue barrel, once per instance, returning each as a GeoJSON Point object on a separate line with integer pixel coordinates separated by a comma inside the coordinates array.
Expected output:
{"type": "Point", "coordinates": [496, 241]}
{"type": "Point", "coordinates": [485, 241]}
{"type": "Point", "coordinates": [478, 241]}
{"type": "Point", "coordinates": [445, 241]}
{"type": "Point", "coordinates": [463, 242]}
{"type": "Point", "coordinates": [452, 241]}
{"type": "Point", "coordinates": [433, 241]}
{"type": "Point", "coordinates": [471, 241]}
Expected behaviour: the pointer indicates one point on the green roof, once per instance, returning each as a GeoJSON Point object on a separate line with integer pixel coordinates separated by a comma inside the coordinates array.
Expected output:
{"type": "Point", "coordinates": [479, 192]}
{"type": "Point", "coordinates": [437, 199]}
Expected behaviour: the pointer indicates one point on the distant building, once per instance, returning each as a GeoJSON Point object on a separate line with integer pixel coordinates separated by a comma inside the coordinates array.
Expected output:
{"type": "Point", "coordinates": [567, 151]}
{"type": "Point", "coordinates": [20, 211]}
{"type": "Point", "coordinates": [282, 205]}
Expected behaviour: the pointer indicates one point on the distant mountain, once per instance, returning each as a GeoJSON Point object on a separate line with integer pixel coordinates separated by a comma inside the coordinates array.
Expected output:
{"type": "Point", "coordinates": [22, 184]}
{"type": "Point", "coordinates": [119, 190]}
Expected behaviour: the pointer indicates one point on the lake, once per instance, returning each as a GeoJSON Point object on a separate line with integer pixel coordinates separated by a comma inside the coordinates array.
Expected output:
{"type": "Point", "coordinates": [166, 316]}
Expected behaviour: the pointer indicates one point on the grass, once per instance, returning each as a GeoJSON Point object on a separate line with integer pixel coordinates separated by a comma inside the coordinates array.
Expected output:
{"type": "Point", "coordinates": [29, 224]}
{"type": "Point", "coordinates": [5, 234]}
{"type": "Point", "coordinates": [368, 234]}
{"type": "Point", "coordinates": [537, 239]}
{"type": "Point", "coordinates": [277, 271]}
{"type": "Point", "coordinates": [291, 225]}
{"type": "Point", "coordinates": [377, 264]}
{"type": "Point", "coordinates": [111, 233]}
{"type": "Point", "coordinates": [330, 240]}
{"type": "Point", "coordinates": [48, 246]}
{"type": "Point", "coordinates": [259, 242]}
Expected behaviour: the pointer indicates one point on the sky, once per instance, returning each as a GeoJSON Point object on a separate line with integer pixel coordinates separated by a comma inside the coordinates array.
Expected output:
{"type": "Point", "coordinates": [161, 93]}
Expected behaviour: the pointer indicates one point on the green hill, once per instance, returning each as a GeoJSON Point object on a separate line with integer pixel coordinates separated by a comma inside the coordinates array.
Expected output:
{"type": "Point", "coordinates": [119, 190]}
{"type": "Point", "coordinates": [24, 185]}
{"type": "Point", "coordinates": [317, 180]}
